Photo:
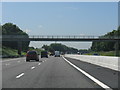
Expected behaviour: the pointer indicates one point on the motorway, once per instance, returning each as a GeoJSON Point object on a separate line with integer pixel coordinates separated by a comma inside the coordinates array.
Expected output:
{"type": "Point", "coordinates": [55, 72]}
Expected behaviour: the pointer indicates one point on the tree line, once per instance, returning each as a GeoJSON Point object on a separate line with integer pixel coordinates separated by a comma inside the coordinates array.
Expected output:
{"type": "Point", "coordinates": [12, 29]}
{"type": "Point", "coordinates": [106, 46]}
{"type": "Point", "coordinates": [59, 47]}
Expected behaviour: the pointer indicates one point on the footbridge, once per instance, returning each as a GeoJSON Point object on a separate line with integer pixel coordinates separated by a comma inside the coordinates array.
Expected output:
{"type": "Point", "coordinates": [57, 38]}
{"type": "Point", "coordinates": [78, 38]}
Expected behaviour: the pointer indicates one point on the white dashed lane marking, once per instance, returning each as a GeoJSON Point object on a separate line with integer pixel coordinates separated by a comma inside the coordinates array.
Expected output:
{"type": "Point", "coordinates": [39, 63]}
{"type": "Point", "coordinates": [7, 64]}
{"type": "Point", "coordinates": [18, 61]}
{"type": "Point", "coordinates": [32, 67]}
{"type": "Point", "coordinates": [20, 75]}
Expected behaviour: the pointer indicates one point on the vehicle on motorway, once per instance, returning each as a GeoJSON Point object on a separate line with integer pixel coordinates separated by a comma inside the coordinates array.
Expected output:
{"type": "Point", "coordinates": [44, 54]}
{"type": "Point", "coordinates": [52, 54]}
{"type": "Point", "coordinates": [32, 55]}
{"type": "Point", "coordinates": [96, 54]}
{"type": "Point", "coordinates": [57, 54]}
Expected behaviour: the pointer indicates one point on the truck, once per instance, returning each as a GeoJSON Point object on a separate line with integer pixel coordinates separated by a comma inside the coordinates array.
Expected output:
{"type": "Point", "coordinates": [57, 53]}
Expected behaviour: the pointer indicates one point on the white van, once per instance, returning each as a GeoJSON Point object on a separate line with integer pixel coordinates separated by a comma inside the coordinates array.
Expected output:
{"type": "Point", "coordinates": [57, 54]}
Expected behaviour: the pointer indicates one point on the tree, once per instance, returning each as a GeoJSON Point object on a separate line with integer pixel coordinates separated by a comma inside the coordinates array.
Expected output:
{"type": "Point", "coordinates": [46, 47]}
{"type": "Point", "coordinates": [12, 29]}
{"type": "Point", "coordinates": [106, 46]}
{"type": "Point", "coordinates": [59, 47]}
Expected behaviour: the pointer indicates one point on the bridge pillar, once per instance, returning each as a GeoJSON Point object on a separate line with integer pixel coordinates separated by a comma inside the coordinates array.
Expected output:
{"type": "Point", "coordinates": [19, 47]}
{"type": "Point", "coordinates": [117, 48]}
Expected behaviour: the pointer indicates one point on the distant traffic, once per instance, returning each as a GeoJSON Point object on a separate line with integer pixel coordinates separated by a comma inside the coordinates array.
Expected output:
{"type": "Point", "coordinates": [33, 55]}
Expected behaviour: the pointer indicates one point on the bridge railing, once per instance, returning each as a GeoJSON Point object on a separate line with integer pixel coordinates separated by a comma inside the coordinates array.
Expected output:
{"type": "Point", "coordinates": [58, 36]}
{"type": "Point", "coordinates": [72, 36]}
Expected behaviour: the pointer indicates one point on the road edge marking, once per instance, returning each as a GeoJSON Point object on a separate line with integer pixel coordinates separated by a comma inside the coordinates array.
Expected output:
{"type": "Point", "coordinates": [89, 76]}
{"type": "Point", "coordinates": [20, 75]}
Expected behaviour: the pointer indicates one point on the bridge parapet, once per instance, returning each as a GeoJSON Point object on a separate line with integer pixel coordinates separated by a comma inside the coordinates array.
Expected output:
{"type": "Point", "coordinates": [56, 38]}
{"type": "Point", "coordinates": [75, 36]}
{"type": "Point", "coordinates": [61, 36]}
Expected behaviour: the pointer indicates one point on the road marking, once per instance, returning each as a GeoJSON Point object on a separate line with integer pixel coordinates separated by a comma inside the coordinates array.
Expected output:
{"type": "Point", "coordinates": [7, 64]}
{"type": "Point", "coordinates": [18, 61]}
{"type": "Point", "coordinates": [32, 67]}
{"type": "Point", "coordinates": [20, 75]}
{"type": "Point", "coordinates": [12, 59]}
{"type": "Point", "coordinates": [89, 76]}
{"type": "Point", "coordinates": [39, 63]}
{"type": "Point", "coordinates": [42, 61]}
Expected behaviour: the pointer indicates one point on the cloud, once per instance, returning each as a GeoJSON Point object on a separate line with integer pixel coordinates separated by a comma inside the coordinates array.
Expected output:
{"type": "Point", "coordinates": [27, 30]}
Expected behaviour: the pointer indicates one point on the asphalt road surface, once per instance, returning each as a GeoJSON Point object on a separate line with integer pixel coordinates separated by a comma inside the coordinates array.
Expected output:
{"type": "Point", "coordinates": [52, 72]}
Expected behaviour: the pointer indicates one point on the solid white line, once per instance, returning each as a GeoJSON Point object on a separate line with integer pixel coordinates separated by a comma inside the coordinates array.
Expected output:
{"type": "Point", "coordinates": [32, 67]}
{"type": "Point", "coordinates": [39, 63]}
{"type": "Point", "coordinates": [89, 76]}
{"type": "Point", "coordinates": [20, 75]}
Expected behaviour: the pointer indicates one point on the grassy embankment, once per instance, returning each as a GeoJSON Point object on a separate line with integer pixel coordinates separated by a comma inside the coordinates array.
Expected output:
{"type": "Point", "coordinates": [102, 53]}
{"type": "Point", "coordinates": [9, 52]}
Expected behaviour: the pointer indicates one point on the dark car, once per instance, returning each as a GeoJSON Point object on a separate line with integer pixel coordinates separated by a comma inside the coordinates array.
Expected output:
{"type": "Point", "coordinates": [32, 55]}
{"type": "Point", "coordinates": [44, 54]}
{"type": "Point", "coordinates": [96, 54]}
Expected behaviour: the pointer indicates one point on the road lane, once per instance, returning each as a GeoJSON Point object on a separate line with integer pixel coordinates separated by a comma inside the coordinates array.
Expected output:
{"type": "Point", "coordinates": [107, 76]}
{"type": "Point", "coordinates": [53, 73]}
{"type": "Point", "coordinates": [9, 72]}
{"type": "Point", "coordinates": [89, 76]}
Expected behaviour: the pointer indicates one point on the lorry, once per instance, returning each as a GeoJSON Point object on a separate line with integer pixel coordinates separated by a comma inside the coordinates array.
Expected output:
{"type": "Point", "coordinates": [57, 53]}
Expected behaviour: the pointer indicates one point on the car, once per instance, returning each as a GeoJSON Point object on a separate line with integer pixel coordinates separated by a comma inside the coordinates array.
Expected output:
{"type": "Point", "coordinates": [51, 53]}
{"type": "Point", "coordinates": [96, 54]}
{"type": "Point", "coordinates": [32, 55]}
{"type": "Point", "coordinates": [57, 54]}
{"type": "Point", "coordinates": [44, 54]}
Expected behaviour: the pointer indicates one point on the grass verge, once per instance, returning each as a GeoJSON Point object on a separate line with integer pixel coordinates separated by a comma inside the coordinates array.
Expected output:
{"type": "Point", "coordinates": [103, 53]}
{"type": "Point", "coordinates": [9, 52]}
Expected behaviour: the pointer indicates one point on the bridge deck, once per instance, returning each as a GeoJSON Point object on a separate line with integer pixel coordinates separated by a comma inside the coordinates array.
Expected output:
{"type": "Point", "coordinates": [57, 38]}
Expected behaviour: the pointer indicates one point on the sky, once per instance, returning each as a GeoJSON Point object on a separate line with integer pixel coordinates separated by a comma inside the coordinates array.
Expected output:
{"type": "Point", "coordinates": [62, 18]}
